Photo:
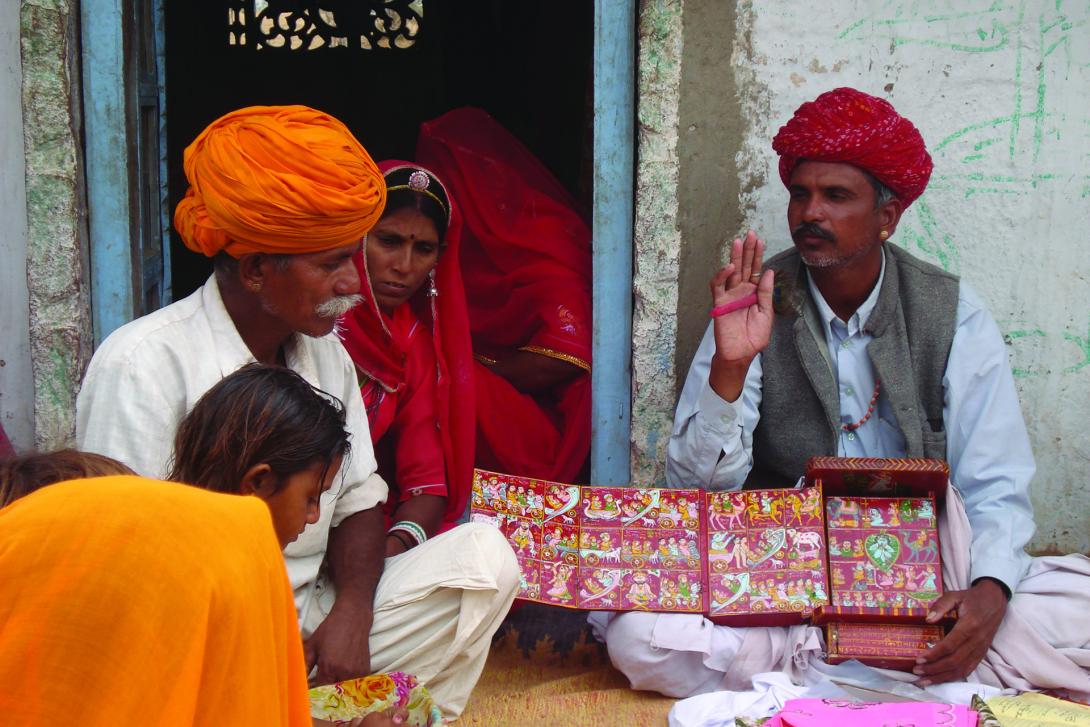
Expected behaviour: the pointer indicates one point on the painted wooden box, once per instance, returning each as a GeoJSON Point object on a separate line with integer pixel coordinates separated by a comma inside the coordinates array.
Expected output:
{"type": "Point", "coordinates": [752, 557]}
{"type": "Point", "coordinates": [885, 570]}
{"type": "Point", "coordinates": [885, 645]}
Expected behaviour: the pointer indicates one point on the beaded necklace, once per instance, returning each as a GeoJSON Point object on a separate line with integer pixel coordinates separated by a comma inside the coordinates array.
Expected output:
{"type": "Point", "coordinates": [870, 410]}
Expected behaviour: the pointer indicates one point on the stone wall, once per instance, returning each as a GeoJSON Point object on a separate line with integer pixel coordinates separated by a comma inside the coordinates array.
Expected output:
{"type": "Point", "coordinates": [658, 241]}
{"type": "Point", "coordinates": [60, 318]}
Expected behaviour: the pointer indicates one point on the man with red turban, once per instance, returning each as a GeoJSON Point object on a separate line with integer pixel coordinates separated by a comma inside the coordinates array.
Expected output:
{"type": "Point", "coordinates": [281, 198]}
{"type": "Point", "coordinates": [856, 348]}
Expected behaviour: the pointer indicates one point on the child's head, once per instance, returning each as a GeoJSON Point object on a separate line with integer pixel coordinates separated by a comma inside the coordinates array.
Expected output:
{"type": "Point", "coordinates": [20, 476]}
{"type": "Point", "coordinates": [265, 431]}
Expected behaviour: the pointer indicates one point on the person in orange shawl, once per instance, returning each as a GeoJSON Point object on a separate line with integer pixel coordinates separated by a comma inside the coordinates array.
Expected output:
{"type": "Point", "coordinates": [410, 342]}
{"type": "Point", "coordinates": [27, 473]}
{"type": "Point", "coordinates": [280, 198]}
{"type": "Point", "coordinates": [132, 601]}
{"type": "Point", "coordinates": [526, 264]}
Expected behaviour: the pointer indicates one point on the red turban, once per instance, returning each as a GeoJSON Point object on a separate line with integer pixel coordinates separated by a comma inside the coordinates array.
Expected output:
{"type": "Point", "coordinates": [277, 179]}
{"type": "Point", "coordinates": [845, 125]}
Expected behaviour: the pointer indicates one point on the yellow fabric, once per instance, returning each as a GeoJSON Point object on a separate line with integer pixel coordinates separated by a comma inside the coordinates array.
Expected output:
{"type": "Point", "coordinates": [1031, 709]}
{"type": "Point", "coordinates": [127, 601]}
{"type": "Point", "coordinates": [277, 179]}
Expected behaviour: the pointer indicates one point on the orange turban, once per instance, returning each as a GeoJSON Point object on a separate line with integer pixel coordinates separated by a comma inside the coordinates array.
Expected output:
{"type": "Point", "coordinates": [277, 179]}
{"type": "Point", "coordinates": [846, 125]}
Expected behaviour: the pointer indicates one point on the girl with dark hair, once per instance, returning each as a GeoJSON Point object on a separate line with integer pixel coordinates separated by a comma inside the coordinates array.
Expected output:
{"type": "Point", "coordinates": [24, 474]}
{"type": "Point", "coordinates": [264, 431]}
{"type": "Point", "coordinates": [410, 342]}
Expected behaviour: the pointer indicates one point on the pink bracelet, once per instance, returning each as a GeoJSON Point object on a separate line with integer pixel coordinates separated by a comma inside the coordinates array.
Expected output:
{"type": "Point", "coordinates": [722, 310]}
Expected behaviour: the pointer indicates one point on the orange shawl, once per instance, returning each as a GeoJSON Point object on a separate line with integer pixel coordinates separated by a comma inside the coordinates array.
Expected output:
{"type": "Point", "coordinates": [130, 601]}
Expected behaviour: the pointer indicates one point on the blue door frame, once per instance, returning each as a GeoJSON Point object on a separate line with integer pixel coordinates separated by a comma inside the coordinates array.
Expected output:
{"type": "Point", "coordinates": [106, 158]}
{"type": "Point", "coordinates": [108, 197]}
{"type": "Point", "coordinates": [614, 179]}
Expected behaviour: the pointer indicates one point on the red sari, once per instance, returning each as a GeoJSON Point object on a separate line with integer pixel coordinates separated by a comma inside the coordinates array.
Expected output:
{"type": "Point", "coordinates": [416, 378]}
{"type": "Point", "coordinates": [6, 448]}
{"type": "Point", "coordinates": [526, 264]}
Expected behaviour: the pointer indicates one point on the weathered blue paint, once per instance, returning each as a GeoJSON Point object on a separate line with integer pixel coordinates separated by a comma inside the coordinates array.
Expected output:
{"type": "Point", "coordinates": [614, 146]}
{"type": "Point", "coordinates": [106, 156]}
{"type": "Point", "coordinates": [165, 213]}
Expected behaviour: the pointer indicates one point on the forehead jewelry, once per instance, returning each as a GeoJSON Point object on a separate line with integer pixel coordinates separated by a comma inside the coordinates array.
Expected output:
{"type": "Point", "coordinates": [418, 181]}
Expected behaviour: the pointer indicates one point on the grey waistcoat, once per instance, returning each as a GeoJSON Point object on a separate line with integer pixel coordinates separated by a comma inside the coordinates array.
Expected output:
{"type": "Point", "coordinates": [912, 327]}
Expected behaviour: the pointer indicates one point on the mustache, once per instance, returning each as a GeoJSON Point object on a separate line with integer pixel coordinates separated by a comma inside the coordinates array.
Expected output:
{"type": "Point", "coordinates": [338, 306]}
{"type": "Point", "coordinates": [809, 229]}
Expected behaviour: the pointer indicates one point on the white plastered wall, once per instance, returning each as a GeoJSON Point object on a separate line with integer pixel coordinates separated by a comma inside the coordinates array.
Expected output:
{"type": "Point", "coordinates": [1000, 92]}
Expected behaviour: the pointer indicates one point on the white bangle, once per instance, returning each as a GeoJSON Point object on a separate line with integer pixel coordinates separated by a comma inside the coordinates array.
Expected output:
{"type": "Point", "coordinates": [414, 530]}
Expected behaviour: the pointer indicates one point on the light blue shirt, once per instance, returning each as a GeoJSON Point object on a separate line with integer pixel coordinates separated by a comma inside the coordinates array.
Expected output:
{"type": "Point", "coordinates": [988, 449]}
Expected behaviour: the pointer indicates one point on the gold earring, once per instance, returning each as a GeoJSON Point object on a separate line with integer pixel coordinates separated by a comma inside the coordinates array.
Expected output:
{"type": "Point", "coordinates": [255, 286]}
{"type": "Point", "coordinates": [883, 235]}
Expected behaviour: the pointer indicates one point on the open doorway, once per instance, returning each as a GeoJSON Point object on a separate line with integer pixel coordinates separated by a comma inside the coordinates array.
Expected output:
{"type": "Point", "coordinates": [528, 64]}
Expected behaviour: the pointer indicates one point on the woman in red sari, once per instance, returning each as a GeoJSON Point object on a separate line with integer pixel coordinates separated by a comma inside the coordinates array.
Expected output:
{"type": "Point", "coordinates": [526, 264]}
{"type": "Point", "coordinates": [409, 339]}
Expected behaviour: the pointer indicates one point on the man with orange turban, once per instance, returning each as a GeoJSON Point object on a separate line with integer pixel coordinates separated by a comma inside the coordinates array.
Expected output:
{"type": "Point", "coordinates": [281, 198]}
{"type": "Point", "coordinates": [863, 351]}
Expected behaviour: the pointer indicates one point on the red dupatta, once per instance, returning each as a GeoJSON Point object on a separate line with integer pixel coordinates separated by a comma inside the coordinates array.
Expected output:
{"type": "Point", "coordinates": [526, 264]}
{"type": "Point", "coordinates": [377, 354]}
{"type": "Point", "coordinates": [6, 448]}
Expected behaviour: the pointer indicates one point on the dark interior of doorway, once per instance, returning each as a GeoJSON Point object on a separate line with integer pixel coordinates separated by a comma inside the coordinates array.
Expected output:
{"type": "Point", "coordinates": [526, 63]}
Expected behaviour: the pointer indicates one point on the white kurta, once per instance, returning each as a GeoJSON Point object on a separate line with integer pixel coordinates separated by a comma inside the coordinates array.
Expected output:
{"type": "Point", "coordinates": [148, 374]}
{"type": "Point", "coordinates": [436, 606]}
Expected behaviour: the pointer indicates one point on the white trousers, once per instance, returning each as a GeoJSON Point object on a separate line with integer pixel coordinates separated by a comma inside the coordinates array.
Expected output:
{"type": "Point", "coordinates": [436, 609]}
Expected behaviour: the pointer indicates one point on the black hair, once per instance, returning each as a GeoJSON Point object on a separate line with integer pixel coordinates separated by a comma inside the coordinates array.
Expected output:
{"type": "Point", "coordinates": [258, 415]}
{"type": "Point", "coordinates": [400, 196]}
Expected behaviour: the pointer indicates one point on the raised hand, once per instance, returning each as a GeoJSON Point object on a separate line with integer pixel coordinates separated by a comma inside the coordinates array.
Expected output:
{"type": "Point", "coordinates": [741, 334]}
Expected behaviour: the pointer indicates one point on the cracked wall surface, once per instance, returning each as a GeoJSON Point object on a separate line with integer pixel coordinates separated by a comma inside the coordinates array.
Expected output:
{"type": "Point", "coordinates": [60, 318]}
{"type": "Point", "coordinates": [657, 235]}
{"type": "Point", "coordinates": [688, 130]}
{"type": "Point", "coordinates": [998, 91]}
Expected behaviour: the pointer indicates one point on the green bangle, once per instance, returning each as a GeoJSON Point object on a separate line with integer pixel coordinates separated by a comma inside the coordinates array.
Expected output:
{"type": "Point", "coordinates": [413, 529]}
